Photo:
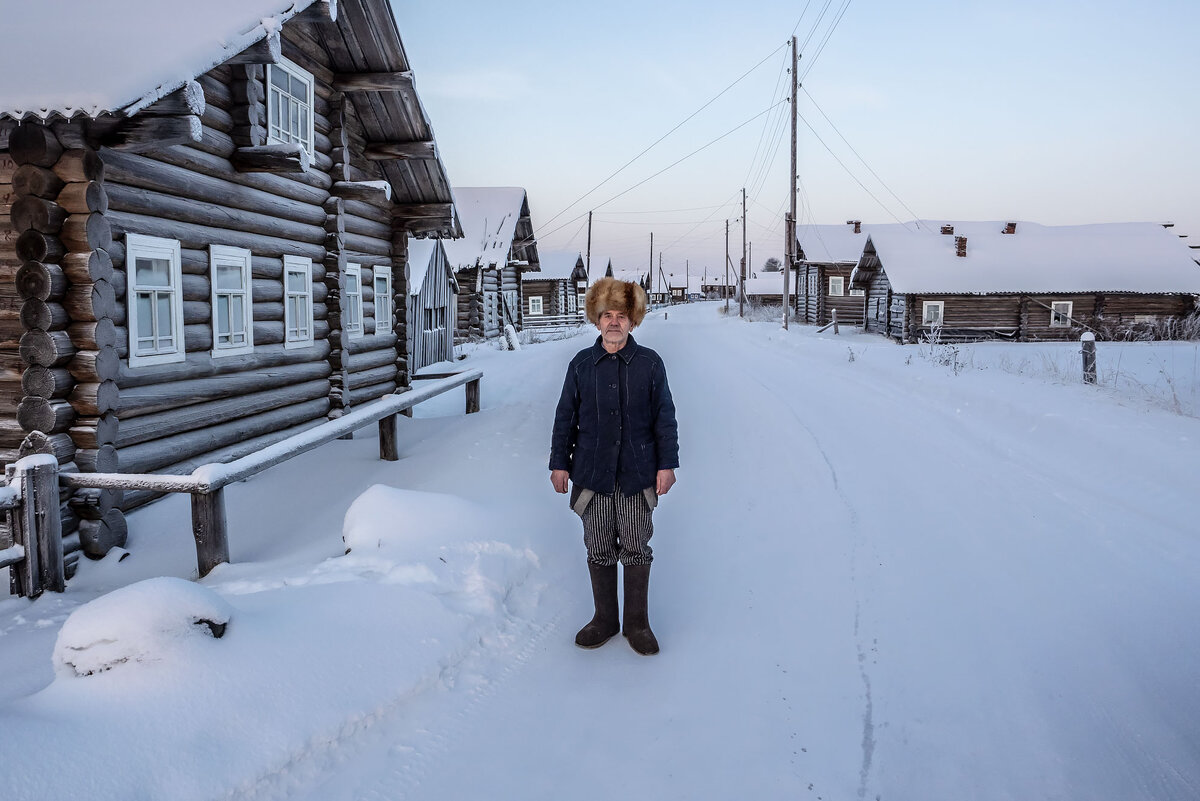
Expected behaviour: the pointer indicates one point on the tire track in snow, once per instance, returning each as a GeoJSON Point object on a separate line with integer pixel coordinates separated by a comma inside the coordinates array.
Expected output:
{"type": "Point", "coordinates": [786, 402]}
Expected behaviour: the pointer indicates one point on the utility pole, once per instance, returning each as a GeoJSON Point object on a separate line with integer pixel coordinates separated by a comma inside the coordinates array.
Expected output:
{"type": "Point", "coordinates": [652, 265]}
{"type": "Point", "coordinates": [588, 264]}
{"type": "Point", "coordinates": [790, 226]}
{"type": "Point", "coordinates": [725, 289]}
{"type": "Point", "coordinates": [687, 280]}
{"type": "Point", "coordinates": [742, 282]}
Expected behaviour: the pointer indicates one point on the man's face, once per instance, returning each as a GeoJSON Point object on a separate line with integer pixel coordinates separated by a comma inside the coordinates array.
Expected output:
{"type": "Point", "coordinates": [614, 327]}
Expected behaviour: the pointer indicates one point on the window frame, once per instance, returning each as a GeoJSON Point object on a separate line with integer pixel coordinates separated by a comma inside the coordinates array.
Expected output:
{"type": "Point", "coordinates": [142, 246]}
{"type": "Point", "coordinates": [354, 302]}
{"type": "Point", "coordinates": [926, 306]}
{"type": "Point", "coordinates": [535, 300]}
{"type": "Point", "coordinates": [1054, 313]}
{"type": "Point", "coordinates": [385, 275]}
{"type": "Point", "coordinates": [226, 256]}
{"type": "Point", "coordinates": [856, 292]}
{"type": "Point", "coordinates": [297, 265]}
{"type": "Point", "coordinates": [841, 285]}
{"type": "Point", "coordinates": [293, 70]}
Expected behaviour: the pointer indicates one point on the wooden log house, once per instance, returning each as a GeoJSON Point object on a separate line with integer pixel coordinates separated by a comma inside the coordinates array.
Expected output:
{"type": "Point", "coordinates": [827, 255]}
{"type": "Point", "coordinates": [432, 304]}
{"type": "Point", "coordinates": [498, 245]}
{"type": "Point", "coordinates": [203, 246]}
{"type": "Point", "coordinates": [556, 292]}
{"type": "Point", "coordinates": [1026, 282]}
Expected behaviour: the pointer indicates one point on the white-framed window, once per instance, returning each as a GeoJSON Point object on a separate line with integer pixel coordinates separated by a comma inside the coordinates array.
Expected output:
{"type": "Point", "coordinates": [232, 305]}
{"type": "Point", "coordinates": [837, 286]}
{"type": "Point", "coordinates": [857, 293]}
{"type": "Point", "coordinates": [383, 300]}
{"type": "Point", "coordinates": [354, 311]}
{"type": "Point", "coordinates": [932, 313]}
{"type": "Point", "coordinates": [289, 105]}
{"type": "Point", "coordinates": [154, 300]}
{"type": "Point", "coordinates": [298, 302]}
{"type": "Point", "coordinates": [435, 318]}
{"type": "Point", "coordinates": [1149, 319]}
{"type": "Point", "coordinates": [1060, 313]}
{"type": "Point", "coordinates": [535, 305]}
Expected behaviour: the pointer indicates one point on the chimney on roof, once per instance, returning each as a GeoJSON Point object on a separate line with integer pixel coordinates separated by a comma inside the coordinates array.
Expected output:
{"type": "Point", "coordinates": [947, 229]}
{"type": "Point", "coordinates": [857, 225]}
{"type": "Point", "coordinates": [1010, 228]}
{"type": "Point", "coordinates": [960, 246]}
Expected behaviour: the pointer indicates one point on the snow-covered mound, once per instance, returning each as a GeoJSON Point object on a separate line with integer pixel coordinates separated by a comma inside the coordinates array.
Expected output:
{"type": "Point", "coordinates": [386, 517]}
{"type": "Point", "coordinates": [143, 622]}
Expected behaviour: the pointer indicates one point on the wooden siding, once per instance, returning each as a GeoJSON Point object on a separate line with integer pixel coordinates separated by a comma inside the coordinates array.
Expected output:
{"type": "Point", "coordinates": [429, 346]}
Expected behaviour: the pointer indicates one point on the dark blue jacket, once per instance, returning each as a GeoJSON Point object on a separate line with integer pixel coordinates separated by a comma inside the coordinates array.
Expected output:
{"type": "Point", "coordinates": [615, 422]}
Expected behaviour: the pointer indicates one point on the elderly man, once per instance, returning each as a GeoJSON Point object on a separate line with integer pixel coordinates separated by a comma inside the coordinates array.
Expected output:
{"type": "Point", "coordinates": [615, 440]}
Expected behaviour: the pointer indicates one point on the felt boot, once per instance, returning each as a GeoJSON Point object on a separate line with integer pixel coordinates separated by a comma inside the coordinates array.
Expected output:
{"type": "Point", "coordinates": [637, 620]}
{"type": "Point", "coordinates": [606, 621]}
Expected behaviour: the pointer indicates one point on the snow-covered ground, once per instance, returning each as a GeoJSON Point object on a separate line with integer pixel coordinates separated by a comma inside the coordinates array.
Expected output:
{"type": "Point", "coordinates": [886, 572]}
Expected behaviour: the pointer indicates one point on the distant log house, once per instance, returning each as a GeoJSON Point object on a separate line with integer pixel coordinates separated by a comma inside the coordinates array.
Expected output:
{"type": "Point", "coordinates": [195, 269]}
{"type": "Point", "coordinates": [498, 245]}
{"type": "Point", "coordinates": [556, 293]}
{"type": "Point", "coordinates": [1025, 282]}
{"type": "Point", "coordinates": [828, 255]}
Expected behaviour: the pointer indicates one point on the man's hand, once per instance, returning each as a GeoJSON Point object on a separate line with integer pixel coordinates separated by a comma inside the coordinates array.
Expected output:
{"type": "Point", "coordinates": [666, 480]}
{"type": "Point", "coordinates": [559, 479]}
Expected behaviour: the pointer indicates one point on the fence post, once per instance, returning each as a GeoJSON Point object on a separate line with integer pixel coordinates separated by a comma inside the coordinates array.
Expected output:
{"type": "Point", "coordinates": [210, 529]}
{"type": "Point", "coordinates": [835, 322]}
{"type": "Point", "coordinates": [1089, 357]}
{"type": "Point", "coordinates": [37, 527]}
{"type": "Point", "coordinates": [473, 396]}
{"type": "Point", "coordinates": [387, 439]}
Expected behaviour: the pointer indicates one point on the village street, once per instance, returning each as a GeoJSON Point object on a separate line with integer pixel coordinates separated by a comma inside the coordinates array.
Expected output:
{"type": "Point", "coordinates": [878, 577]}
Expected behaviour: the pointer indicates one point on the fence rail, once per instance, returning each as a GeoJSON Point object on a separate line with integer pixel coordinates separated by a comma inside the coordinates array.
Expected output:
{"type": "Point", "coordinates": [37, 523]}
{"type": "Point", "coordinates": [554, 321]}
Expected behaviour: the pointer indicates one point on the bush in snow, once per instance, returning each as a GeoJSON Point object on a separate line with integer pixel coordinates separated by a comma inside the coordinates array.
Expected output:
{"type": "Point", "coordinates": [143, 622]}
{"type": "Point", "coordinates": [511, 340]}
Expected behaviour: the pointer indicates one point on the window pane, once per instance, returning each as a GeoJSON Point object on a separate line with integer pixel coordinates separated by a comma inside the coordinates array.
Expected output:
{"type": "Point", "coordinates": [351, 283]}
{"type": "Point", "coordinates": [153, 272]}
{"type": "Point", "coordinates": [279, 77]}
{"type": "Point", "coordinates": [145, 315]}
{"type": "Point", "coordinates": [229, 277]}
{"type": "Point", "coordinates": [164, 316]}
{"type": "Point", "coordinates": [297, 281]}
{"type": "Point", "coordinates": [237, 313]}
{"type": "Point", "coordinates": [222, 316]}
{"type": "Point", "coordinates": [299, 88]}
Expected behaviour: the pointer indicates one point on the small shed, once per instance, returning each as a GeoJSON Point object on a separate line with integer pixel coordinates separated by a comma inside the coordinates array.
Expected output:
{"type": "Point", "coordinates": [555, 295]}
{"type": "Point", "coordinates": [432, 303]}
{"type": "Point", "coordinates": [827, 255]}
{"type": "Point", "coordinates": [1026, 282]}
{"type": "Point", "coordinates": [497, 247]}
{"type": "Point", "coordinates": [765, 289]}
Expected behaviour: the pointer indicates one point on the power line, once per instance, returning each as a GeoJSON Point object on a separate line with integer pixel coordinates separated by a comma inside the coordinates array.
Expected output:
{"type": "Point", "coordinates": [664, 136]}
{"type": "Point", "coordinates": [821, 47]}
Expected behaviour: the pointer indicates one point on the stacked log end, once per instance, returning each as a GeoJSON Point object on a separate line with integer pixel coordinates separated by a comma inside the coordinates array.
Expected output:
{"type": "Point", "coordinates": [72, 362]}
{"type": "Point", "coordinates": [335, 269]}
{"type": "Point", "coordinates": [400, 319]}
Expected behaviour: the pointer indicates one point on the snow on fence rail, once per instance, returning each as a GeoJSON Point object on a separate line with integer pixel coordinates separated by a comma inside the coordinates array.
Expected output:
{"type": "Point", "coordinates": [31, 525]}
{"type": "Point", "coordinates": [554, 321]}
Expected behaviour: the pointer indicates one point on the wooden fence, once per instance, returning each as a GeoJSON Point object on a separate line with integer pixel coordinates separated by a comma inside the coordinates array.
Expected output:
{"type": "Point", "coordinates": [31, 499]}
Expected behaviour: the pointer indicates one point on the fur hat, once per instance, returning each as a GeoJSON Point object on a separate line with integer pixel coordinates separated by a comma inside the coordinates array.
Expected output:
{"type": "Point", "coordinates": [611, 294]}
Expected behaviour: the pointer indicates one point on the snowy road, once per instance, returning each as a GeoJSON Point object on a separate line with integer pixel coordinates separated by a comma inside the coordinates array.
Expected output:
{"type": "Point", "coordinates": [874, 580]}
{"type": "Point", "coordinates": [877, 578]}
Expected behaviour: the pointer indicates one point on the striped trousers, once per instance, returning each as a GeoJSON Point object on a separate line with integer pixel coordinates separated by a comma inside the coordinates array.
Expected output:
{"type": "Point", "coordinates": [618, 527]}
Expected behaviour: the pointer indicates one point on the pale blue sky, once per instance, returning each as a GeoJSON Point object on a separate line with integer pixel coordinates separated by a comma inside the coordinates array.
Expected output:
{"type": "Point", "coordinates": [1053, 112]}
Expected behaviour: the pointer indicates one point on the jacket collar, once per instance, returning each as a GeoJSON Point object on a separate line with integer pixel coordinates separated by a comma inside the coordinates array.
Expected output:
{"type": "Point", "coordinates": [626, 353]}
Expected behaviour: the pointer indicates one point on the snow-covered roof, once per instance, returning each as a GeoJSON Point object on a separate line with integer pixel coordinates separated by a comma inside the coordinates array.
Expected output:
{"type": "Point", "coordinates": [766, 284]}
{"type": "Point", "coordinates": [63, 58]}
{"type": "Point", "coordinates": [556, 265]}
{"type": "Point", "coordinates": [1108, 257]}
{"type": "Point", "coordinates": [830, 244]}
{"type": "Point", "coordinates": [420, 259]}
{"type": "Point", "coordinates": [489, 217]}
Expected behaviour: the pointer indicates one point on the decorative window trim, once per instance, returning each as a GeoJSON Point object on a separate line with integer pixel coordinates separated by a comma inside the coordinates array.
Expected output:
{"type": "Point", "coordinates": [226, 256]}
{"type": "Point", "coordinates": [838, 282]}
{"type": "Point", "coordinates": [274, 99]}
{"type": "Point", "coordinates": [383, 300]}
{"type": "Point", "coordinates": [354, 303]}
{"type": "Point", "coordinates": [1058, 317]}
{"type": "Point", "coordinates": [303, 336]}
{"type": "Point", "coordinates": [141, 246]}
{"type": "Point", "coordinates": [535, 305]}
{"type": "Point", "coordinates": [940, 305]}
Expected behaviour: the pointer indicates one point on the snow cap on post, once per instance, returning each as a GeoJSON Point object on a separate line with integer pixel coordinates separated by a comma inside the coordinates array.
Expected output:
{"type": "Point", "coordinates": [609, 294]}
